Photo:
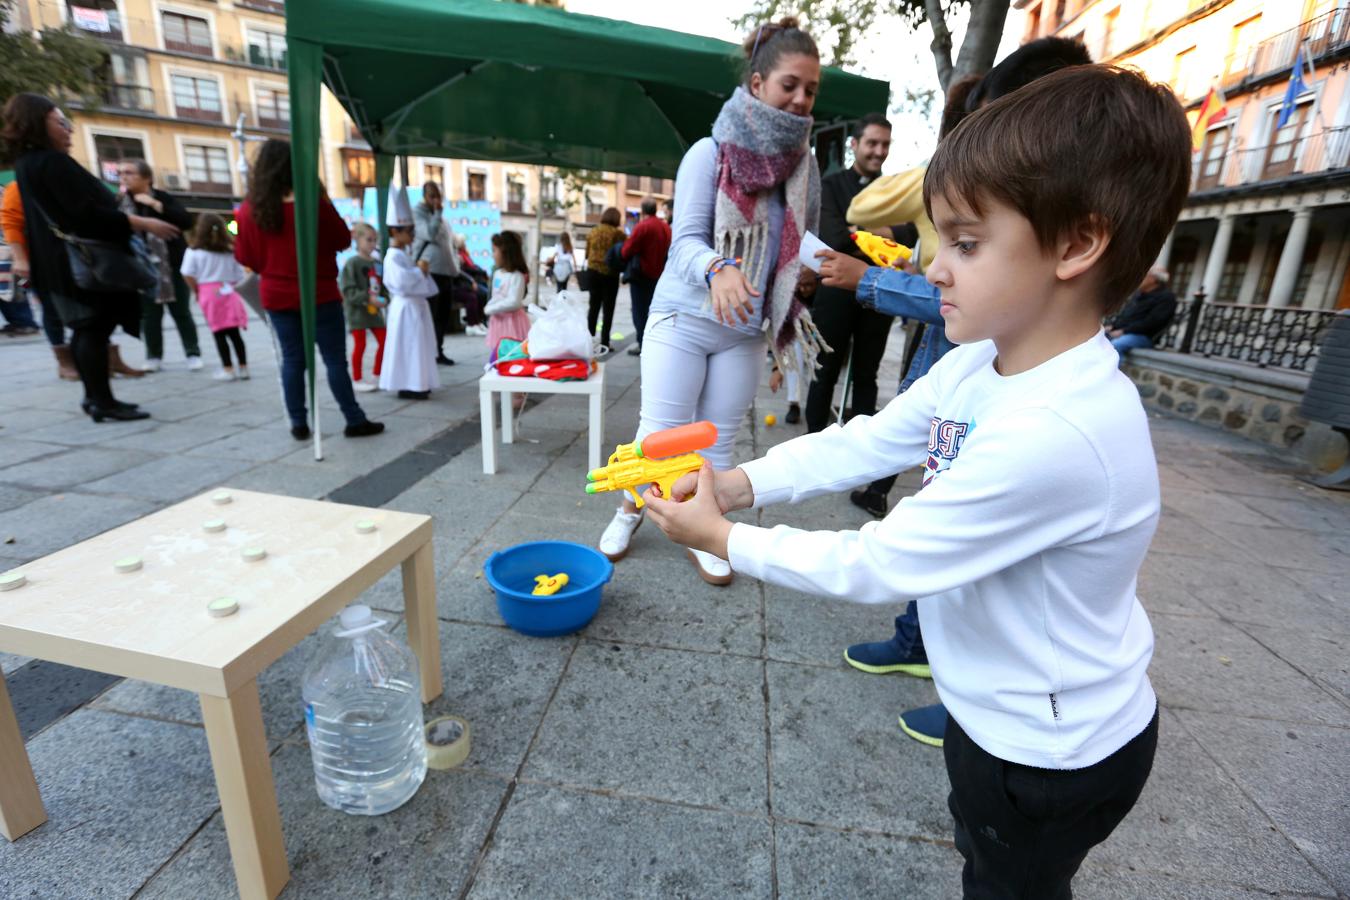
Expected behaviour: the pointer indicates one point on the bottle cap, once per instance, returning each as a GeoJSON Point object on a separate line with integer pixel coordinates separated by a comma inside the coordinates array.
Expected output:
{"type": "Point", "coordinates": [12, 581]}
{"type": "Point", "coordinates": [213, 525]}
{"type": "Point", "coordinates": [128, 564]}
{"type": "Point", "coordinates": [222, 607]}
{"type": "Point", "coordinates": [220, 498]}
{"type": "Point", "coordinates": [365, 526]}
{"type": "Point", "coordinates": [355, 616]}
{"type": "Point", "coordinates": [253, 554]}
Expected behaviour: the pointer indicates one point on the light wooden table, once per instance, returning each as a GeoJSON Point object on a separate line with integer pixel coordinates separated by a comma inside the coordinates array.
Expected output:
{"type": "Point", "coordinates": [153, 625]}
{"type": "Point", "coordinates": [593, 388]}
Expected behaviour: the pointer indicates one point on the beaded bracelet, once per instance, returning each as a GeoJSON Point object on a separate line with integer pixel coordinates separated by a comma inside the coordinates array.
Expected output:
{"type": "Point", "coordinates": [719, 265]}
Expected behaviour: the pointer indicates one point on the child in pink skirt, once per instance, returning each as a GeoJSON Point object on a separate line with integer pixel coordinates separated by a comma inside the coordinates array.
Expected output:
{"type": "Point", "coordinates": [506, 310]}
{"type": "Point", "coordinates": [210, 270]}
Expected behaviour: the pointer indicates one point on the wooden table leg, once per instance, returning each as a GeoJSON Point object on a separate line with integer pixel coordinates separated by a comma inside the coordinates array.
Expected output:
{"type": "Point", "coordinates": [487, 413]}
{"type": "Point", "coordinates": [419, 606]}
{"type": "Point", "coordinates": [248, 798]}
{"type": "Point", "coordinates": [20, 803]}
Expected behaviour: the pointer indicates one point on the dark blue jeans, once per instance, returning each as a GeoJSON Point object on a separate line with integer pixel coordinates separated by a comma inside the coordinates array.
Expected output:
{"type": "Point", "coordinates": [17, 311]}
{"type": "Point", "coordinates": [330, 337]}
{"type": "Point", "coordinates": [908, 637]}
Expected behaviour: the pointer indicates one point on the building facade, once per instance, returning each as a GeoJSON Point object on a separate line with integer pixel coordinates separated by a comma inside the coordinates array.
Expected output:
{"type": "Point", "coordinates": [1266, 221]}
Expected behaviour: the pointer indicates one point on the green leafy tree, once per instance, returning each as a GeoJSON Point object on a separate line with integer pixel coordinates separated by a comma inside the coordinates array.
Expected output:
{"type": "Point", "coordinates": [838, 24]}
{"type": "Point", "coordinates": [59, 63]}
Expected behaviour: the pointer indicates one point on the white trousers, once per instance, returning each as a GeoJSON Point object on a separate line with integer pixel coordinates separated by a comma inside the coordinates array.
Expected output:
{"type": "Point", "coordinates": [694, 369]}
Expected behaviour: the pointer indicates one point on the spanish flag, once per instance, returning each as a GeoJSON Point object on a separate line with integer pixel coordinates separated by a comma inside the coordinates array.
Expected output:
{"type": "Point", "coordinates": [1212, 110]}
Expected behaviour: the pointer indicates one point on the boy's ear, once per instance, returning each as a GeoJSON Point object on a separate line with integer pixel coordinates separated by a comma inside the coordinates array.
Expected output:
{"type": "Point", "coordinates": [1080, 248]}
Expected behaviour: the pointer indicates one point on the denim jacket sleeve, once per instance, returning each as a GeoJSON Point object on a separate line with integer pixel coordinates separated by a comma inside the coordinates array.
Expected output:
{"type": "Point", "coordinates": [896, 293]}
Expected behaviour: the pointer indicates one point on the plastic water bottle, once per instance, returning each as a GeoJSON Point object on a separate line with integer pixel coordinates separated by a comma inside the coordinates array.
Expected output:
{"type": "Point", "coordinates": [363, 714]}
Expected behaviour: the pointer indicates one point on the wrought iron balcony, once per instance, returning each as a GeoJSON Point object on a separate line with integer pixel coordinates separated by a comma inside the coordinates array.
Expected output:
{"type": "Point", "coordinates": [1320, 37]}
{"type": "Point", "coordinates": [1326, 150]}
{"type": "Point", "coordinates": [128, 96]}
{"type": "Point", "coordinates": [1284, 338]}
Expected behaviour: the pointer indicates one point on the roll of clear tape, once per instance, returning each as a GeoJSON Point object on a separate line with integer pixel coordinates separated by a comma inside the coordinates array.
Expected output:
{"type": "Point", "coordinates": [448, 742]}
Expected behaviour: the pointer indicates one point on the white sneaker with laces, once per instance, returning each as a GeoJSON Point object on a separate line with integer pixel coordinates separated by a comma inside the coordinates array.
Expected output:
{"type": "Point", "coordinates": [619, 533]}
{"type": "Point", "coordinates": [153, 365]}
{"type": "Point", "coordinates": [223, 375]}
{"type": "Point", "coordinates": [365, 387]}
{"type": "Point", "coordinates": [194, 363]}
{"type": "Point", "coordinates": [712, 569]}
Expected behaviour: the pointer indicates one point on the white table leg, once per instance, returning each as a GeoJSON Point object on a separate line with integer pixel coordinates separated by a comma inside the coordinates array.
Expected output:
{"type": "Point", "coordinates": [419, 604]}
{"type": "Point", "coordinates": [508, 427]}
{"type": "Point", "coordinates": [248, 798]}
{"type": "Point", "coordinates": [20, 803]}
{"type": "Point", "coordinates": [486, 412]}
{"type": "Point", "coordinates": [597, 420]}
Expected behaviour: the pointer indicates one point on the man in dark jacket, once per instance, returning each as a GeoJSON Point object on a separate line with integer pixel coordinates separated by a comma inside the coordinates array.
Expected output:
{"type": "Point", "coordinates": [1145, 316]}
{"type": "Point", "coordinates": [843, 323]}
{"type": "Point", "coordinates": [650, 243]}
{"type": "Point", "coordinates": [138, 184]}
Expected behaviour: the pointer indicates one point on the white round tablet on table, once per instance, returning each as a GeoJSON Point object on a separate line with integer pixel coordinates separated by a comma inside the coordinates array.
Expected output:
{"type": "Point", "coordinates": [253, 554]}
{"type": "Point", "coordinates": [365, 526]}
{"type": "Point", "coordinates": [12, 581]}
{"type": "Point", "coordinates": [222, 607]}
{"type": "Point", "coordinates": [128, 564]}
{"type": "Point", "coordinates": [220, 498]}
{"type": "Point", "coordinates": [213, 525]}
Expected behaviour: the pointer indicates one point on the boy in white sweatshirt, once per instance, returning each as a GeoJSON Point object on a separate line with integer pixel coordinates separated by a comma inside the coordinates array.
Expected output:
{"type": "Point", "coordinates": [1041, 491]}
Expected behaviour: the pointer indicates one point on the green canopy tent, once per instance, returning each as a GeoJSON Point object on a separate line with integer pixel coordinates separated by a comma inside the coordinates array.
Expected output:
{"type": "Point", "coordinates": [489, 80]}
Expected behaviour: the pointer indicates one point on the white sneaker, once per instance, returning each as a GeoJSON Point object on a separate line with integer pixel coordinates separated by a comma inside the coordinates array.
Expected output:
{"type": "Point", "coordinates": [153, 365]}
{"type": "Point", "coordinates": [223, 375]}
{"type": "Point", "coordinates": [194, 363]}
{"type": "Point", "coordinates": [712, 569]}
{"type": "Point", "coordinates": [476, 330]}
{"type": "Point", "coordinates": [619, 533]}
{"type": "Point", "coordinates": [365, 387]}
{"type": "Point", "coordinates": [243, 373]}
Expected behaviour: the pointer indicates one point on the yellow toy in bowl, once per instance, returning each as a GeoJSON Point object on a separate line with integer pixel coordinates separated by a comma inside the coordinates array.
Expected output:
{"type": "Point", "coordinates": [545, 585]}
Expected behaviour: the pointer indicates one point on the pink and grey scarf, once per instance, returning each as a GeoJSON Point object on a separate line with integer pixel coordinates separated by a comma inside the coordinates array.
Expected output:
{"type": "Point", "coordinates": [758, 149]}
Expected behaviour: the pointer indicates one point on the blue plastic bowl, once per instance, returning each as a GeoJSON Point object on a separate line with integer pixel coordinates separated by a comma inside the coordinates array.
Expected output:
{"type": "Point", "coordinates": [511, 573]}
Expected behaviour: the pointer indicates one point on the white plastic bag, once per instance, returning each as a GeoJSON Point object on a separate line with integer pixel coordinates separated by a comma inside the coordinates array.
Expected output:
{"type": "Point", "coordinates": [560, 332]}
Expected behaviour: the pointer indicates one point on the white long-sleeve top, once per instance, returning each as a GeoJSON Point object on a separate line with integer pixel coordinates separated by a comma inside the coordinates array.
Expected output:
{"type": "Point", "coordinates": [1039, 501]}
{"type": "Point", "coordinates": [402, 278]}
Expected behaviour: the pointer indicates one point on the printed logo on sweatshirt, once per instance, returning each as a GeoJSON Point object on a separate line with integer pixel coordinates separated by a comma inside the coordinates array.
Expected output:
{"type": "Point", "coordinates": [945, 438]}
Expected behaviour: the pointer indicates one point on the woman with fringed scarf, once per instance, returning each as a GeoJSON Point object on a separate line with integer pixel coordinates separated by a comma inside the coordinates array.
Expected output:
{"type": "Point", "coordinates": [743, 199]}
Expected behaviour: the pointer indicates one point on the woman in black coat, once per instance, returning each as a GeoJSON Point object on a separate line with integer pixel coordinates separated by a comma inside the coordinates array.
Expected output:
{"type": "Point", "coordinates": [50, 182]}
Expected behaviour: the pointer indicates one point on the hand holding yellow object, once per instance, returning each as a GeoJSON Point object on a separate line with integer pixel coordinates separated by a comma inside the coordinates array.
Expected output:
{"type": "Point", "coordinates": [661, 458]}
{"type": "Point", "coordinates": [882, 251]}
{"type": "Point", "coordinates": [544, 585]}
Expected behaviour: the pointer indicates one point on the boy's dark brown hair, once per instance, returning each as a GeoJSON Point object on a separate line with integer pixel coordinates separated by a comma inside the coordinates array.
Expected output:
{"type": "Point", "coordinates": [1084, 143]}
{"type": "Point", "coordinates": [209, 233]}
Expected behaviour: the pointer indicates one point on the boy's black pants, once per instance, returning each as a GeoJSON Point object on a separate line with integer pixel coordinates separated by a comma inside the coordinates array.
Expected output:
{"type": "Point", "coordinates": [1025, 831]}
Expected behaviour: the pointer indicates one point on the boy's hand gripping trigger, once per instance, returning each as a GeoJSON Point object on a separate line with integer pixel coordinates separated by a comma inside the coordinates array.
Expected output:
{"type": "Point", "coordinates": [885, 253]}
{"type": "Point", "coordinates": [661, 458]}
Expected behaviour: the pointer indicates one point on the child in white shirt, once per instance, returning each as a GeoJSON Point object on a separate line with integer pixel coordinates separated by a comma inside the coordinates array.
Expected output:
{"type": "Point", "coordinates": [1040, 494]}
{"type": "Point", "coordinates": [211, 272]}
{"type": "Point", "coordinates": [410, 341]}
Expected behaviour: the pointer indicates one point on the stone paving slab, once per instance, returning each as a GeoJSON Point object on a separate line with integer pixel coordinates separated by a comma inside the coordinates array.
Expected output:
{"type": "Point", "coordinates": [122, 795]}
{"type": "Point", "coordinates": [664, 724]}
{"type": "Point", "coordinates": [1214, 667]}
{"type": "Point", "coordinates": [839, 758]}
{"type": "Point", "coordinates": [11, 497]}
{"type": "Point", "coordinates": [14, 449]}
{"type": "Point", "coordinates": [1287, 769]}
{"type": "Point", "coordinates": [621, 847]}
{"type": "Point", "coordinates": [426, 848]}
{"type": "Point", "coordinates": [803, 628]}
{"type": "Point", "coordinates": [59, 520]}
{"type": "Point", "coordinates": [823, 864]}
{"type": "Point", "coordinates": [1193, 823]}
{"type": "Point", "coordinates": [500, 681]}
{"type": "Point", "coordinates": [169, 480]}
{"type": "Point", "coordinates": [174, 437]}
{"type": "Point", "coordinates": [1325, 658]}
{"type": "Point", "coordinates": [73, 468]}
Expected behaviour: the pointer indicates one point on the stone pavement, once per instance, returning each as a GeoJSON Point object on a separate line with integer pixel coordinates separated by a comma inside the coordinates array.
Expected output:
{"type": "Point", "coordinates": [692, 741]}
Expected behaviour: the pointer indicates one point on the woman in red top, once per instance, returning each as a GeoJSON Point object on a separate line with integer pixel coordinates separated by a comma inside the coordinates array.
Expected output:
{"type": "Point", "coordinates": [266, 244]}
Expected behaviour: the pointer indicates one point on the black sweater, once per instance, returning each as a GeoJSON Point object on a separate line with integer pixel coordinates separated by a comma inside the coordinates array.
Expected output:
{"type": "Point", "coordinates": [1147, 314]}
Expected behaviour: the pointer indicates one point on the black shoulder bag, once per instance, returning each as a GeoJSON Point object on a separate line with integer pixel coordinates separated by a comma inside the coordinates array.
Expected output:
{"type": "Point", "coordinates": [103, 267]}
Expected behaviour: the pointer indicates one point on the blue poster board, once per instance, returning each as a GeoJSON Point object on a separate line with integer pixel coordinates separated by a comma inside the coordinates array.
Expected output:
{"type": "Point", "coordinates": [477, 220]}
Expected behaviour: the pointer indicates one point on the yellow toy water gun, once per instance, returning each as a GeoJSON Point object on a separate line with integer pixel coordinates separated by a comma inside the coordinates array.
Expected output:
{"type": "Point", "coordinates": [661, 459]}
{"type": "Point", "coordinates": [882, 251]}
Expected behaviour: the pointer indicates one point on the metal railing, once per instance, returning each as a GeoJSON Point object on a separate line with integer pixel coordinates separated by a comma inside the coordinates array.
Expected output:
{"type": "Point", "coordinates": [1283, 338]}
{"type": "Point", "coordinates": [1321, 151]}
{"type": "Point", "coordinates": [272, 6]}
{"type": "Point", "coordinates": [1321, 36]}
{"type": "Point", "coordinates": [128, 96]}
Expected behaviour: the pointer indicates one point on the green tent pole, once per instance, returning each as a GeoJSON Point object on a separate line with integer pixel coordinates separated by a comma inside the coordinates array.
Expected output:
{"type": "Point", "coordinates": [304, 62]}
{"type": "Point", "coordinates": [384, 174]}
